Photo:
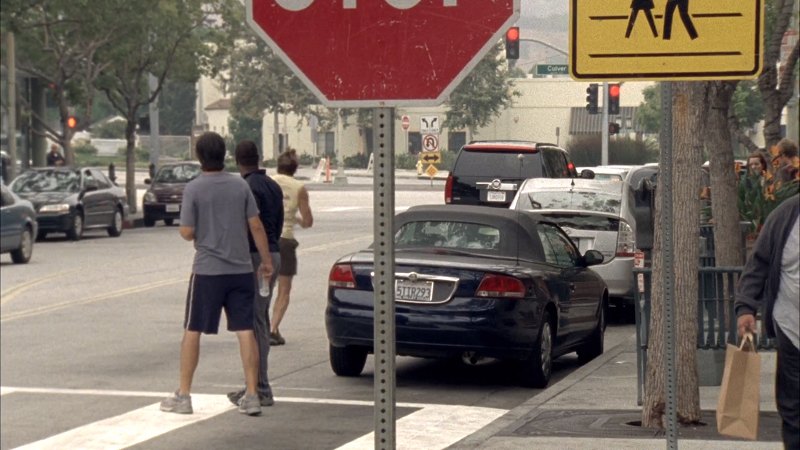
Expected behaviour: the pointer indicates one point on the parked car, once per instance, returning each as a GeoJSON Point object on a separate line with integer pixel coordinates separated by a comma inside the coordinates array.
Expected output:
{"type": "Point", "coordinates": [596, 215]}
{"type": "Point", "coordinates": [473, 282]}
{"type": "Point", "coordinates": [609, 173]}
{"type": "Point", "coordinates": [489, 173]}
{"type": "Point", "coordinates": [17, 226]}
{"type": "Point", "coordinates": [162, 201]}
{"type": "Point", "coordinates": [70, 200]}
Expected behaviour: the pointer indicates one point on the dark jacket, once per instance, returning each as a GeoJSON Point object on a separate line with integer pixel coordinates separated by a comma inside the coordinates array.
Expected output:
{"type": "Point", "coordinates": [762, 273]}
{"type": "Point", "coordinates": [269, 198]}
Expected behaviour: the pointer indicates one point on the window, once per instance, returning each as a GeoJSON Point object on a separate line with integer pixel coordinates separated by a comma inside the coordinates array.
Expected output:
{"type": "Point", "coordinates": [7, 198]}
{"type": "Point", "coordinates": [102, 181]}
{"type": "Point", "coordinates": [456, 140]}
{"type": "Point", "coordinates": [558, 249]}
{"type": "Point", "coordinates": [414, 142]}
{"type": "Point", "coordinates": [454, 235]}
{"type": "Point", "coordinates": [555, 163]}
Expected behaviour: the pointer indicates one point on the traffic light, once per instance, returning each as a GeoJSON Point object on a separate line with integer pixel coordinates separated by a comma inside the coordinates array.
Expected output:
{"type": "Point", "coordinates": [613, 98]}
{"type": "Point", "coordinates": [591, 98]}
{"type": "Point", "coordinates": [512, 43]}
{"type": "Point", "coordinates": [613, 128]}
{"type": "Point", "coordinates": [72, 122]}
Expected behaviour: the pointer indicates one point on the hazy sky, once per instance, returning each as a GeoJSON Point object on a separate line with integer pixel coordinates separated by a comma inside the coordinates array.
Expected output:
{"type": "Point", "coordinates": [543, 8]}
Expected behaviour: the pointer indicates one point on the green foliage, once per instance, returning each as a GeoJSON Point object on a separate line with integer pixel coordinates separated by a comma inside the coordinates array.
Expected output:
{"type": "Point", "coordinates": [747, 104]}
{"type": "Point", "coordinates": [586, 151]}
{"type": "Point", "coordinates": [359, 161]}
{"type": "Point", "coordinates": [448, 160]}
{"type": "Point", "coordinates": [405, 161]}
{"type": "Point", "coordinates": [482, 95]}
{"type": "Point", "coordinates": [243, 127]}
{"type": "Point", "coordinates": [114, 129]}
{"type": "Point", "coordinates": [176, 108]}
{"type": "Point", "coordinates": [142, 155]}
{"type": "Point", "coordinates": [84, 149]}
{"type": "Point", "coordinates": [648, 115]}
{"type": "Point", "coordinates": [305, 160]}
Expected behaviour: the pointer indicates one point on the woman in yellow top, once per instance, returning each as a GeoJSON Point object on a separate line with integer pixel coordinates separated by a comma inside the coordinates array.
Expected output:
{"type": "Point", "coordinates": [295, 200]}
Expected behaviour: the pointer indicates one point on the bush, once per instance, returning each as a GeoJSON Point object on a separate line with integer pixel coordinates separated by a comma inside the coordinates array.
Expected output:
{"type": "Point", "coordinates": [359, 161]}
{"type": "Point", "coordinates": [305, 160]}
{"type": "Point", "coordinates": [406, 161]}
{"type": "Point", "coordinates": [84, 148]}
{"type": "Point", "coordinates": [110, 130]}
{"type": "Point", "coordinates": [586, 151]}
{"type": "Point", "coordinates": [142, 155]}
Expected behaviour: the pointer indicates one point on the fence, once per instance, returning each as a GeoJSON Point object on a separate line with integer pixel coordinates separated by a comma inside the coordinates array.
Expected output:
{"type": "Point", "coordinates": [716, 318]}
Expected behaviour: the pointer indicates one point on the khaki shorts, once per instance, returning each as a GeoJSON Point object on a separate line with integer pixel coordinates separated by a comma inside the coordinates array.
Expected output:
{"type": "Point", "coordinates": [288, 249]}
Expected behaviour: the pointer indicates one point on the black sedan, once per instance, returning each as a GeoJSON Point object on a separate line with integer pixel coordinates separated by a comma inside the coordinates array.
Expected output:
{"type": "Point", "coordinates": [71, 200]}
{"type": "Point", "coordinates": [17, 226]}
{"type": "Point", "coordinates": [473, 282]}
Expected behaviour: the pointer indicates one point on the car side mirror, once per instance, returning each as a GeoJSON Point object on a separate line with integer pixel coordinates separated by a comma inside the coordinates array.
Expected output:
{"type": "Point", "coordinates": [587, 174]}
{"type": "Point", "coordinates": [592, 258]}
{"type": "Point", "coordinates": [147, 181]}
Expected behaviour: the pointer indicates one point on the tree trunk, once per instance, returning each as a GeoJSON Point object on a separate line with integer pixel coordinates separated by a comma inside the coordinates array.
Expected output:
{"type": "Point", "coordinates": [728, 249]}
{"type": "Point", "coordinates": [687, 114]}
{"type": "Point", "coordinates": [130, 163]}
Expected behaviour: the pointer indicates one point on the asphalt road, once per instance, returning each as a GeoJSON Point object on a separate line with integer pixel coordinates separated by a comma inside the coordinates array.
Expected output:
{"type": "Point", "coordinates": [89, 344]}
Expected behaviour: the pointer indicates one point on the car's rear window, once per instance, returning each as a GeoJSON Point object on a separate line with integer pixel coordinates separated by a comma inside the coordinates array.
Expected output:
{"type": "Point", "coordinates": [183, 173]}
{"type": "Point", "coordinates": [448, 234]}
{"type": "Point", "coordinates": [582, 222]}
{"type": "Point", "coordinates": [601, 201]}
{"type": "Point", "coordinates": [498, 163]}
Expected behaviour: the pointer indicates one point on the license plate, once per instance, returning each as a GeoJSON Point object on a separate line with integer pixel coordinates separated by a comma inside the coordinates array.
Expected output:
{"type": "Point", "coordinates": [495, 196]}
{"type": "Point", "coordinates": [173, 208]}
{"type": "Point", "coordinates": [413, 291]}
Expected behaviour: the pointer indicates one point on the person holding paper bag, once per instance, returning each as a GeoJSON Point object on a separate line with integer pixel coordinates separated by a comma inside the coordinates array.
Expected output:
{"type": "Point", "coordinates": [771, 277]}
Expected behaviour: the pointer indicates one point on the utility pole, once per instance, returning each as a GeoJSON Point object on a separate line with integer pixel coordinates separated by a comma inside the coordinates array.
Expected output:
{"type": "Point", "coordinates": [604, 127]}
{"type": "Point", "coordinates": [155, 142]}
{"type": "Point", "coordinates": [11, 130]}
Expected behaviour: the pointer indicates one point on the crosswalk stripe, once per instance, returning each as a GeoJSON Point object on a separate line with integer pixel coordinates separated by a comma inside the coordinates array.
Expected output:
{"type": "Point", "coordinates": [133, 427]}
{"type": "Point", "coordinates": [431, 427]}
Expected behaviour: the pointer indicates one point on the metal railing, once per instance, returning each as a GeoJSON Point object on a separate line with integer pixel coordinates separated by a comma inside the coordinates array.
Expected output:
{"type": "Point", "coordinates": [716, 318]}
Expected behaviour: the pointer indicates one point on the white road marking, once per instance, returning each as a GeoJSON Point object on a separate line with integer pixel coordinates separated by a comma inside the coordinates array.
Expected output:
{"type": "Point", "coordinates": [335, 209]}
{"type": "Point", "coordinates": [432, 427]}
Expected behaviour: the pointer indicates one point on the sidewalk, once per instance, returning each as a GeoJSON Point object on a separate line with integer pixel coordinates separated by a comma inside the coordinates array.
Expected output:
{"type": "Point", "coordinates": [592, 407]}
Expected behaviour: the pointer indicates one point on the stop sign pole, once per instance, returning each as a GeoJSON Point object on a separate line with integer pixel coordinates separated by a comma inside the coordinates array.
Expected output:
{"type": "Point", "coordinates": [382, 54]}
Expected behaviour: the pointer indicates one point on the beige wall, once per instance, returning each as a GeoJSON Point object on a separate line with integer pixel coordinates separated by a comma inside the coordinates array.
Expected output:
{"type": "Point", "coordinates": [542, 108]}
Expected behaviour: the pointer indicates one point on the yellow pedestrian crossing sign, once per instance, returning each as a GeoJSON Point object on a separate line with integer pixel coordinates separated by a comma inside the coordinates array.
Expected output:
{"type": "Point", "coordinates": [666, 39]}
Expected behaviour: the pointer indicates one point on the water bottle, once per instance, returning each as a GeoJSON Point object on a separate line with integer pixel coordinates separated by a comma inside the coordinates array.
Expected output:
{"type": "Point", "coordinates": [263, 286]}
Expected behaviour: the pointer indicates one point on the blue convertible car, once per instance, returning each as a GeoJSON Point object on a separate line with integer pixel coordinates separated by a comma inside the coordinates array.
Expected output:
{"type": "Point", "coordinates": [473, 282]}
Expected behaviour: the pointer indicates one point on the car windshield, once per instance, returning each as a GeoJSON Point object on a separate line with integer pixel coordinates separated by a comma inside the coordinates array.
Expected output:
{"type": "Point", "coordinates": [607, 176]}
{"type": "Point", "coordinates": [47, 181]}
{"type": "Point", "coordinates": [574, 200]}
{"type": "Point", "coordinates": [183, 173]}
{"type": "Point", "coordinates": [450, 235]}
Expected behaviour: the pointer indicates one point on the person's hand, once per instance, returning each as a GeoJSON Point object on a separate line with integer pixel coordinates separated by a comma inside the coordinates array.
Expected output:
{"type": "Point", "coordinates": [266, 269]}
{"type": "Point", "coordinates": [746, 324]}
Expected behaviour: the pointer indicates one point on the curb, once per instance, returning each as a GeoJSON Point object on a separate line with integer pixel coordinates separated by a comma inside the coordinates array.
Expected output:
{"type": "Point", "coordinates": [479, 438]}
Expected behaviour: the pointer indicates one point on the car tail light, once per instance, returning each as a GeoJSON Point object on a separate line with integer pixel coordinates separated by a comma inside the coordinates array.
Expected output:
{"type": "Point", "coordinates": [500, 286]}
{"type": "Point", "coordinates": [448, 189]}
{"type": "Point", "coordinates": [626, 241]}
{"type": "Point", "coordinates": [341, 276]}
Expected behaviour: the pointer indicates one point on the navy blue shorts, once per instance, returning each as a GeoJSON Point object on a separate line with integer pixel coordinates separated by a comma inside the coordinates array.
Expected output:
{"type": "Point", "coordinates": [209, 294]}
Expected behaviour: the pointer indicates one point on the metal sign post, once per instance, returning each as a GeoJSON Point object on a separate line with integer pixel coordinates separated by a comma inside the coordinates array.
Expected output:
{"type": "Point", "coordinates": [384, 323]}
{"type": "Point", "coordinates": [668, 271]}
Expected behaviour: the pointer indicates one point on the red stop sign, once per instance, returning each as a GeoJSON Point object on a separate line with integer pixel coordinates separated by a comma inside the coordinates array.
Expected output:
{"type": "Point", "coordinates": [381, 53]}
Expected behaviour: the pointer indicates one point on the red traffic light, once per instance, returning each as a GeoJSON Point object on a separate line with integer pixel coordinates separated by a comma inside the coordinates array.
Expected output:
{"type": "Point", "coordinates": [512, 34]}
{"type": "Point", "coordinates": [613, 90]}
{"type": "Point", "coordinates": [72, 122]}
{"type": "Point", "coordinates": [613, 98]}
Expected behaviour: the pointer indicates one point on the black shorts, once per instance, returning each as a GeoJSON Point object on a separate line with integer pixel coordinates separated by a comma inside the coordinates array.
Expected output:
{"type": "Point", "coordinates": [288, 248]}
{"type": "Point", "coordinates": [209, 294]}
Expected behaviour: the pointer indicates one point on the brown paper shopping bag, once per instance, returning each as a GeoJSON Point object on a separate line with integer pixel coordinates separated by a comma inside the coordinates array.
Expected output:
{"type": "Point", "coordinates": [737, 408]}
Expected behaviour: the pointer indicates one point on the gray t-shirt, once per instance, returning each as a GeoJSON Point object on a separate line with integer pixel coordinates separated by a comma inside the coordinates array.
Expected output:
{"type": "Point", "coordinates": [787, 304]}
{"type": "Point", "coordinates": [217, 205]}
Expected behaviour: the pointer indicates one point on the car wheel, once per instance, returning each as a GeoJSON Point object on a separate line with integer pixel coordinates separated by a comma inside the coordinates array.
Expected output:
{"type": "Point", "coordinates": [116, 225]}
{"type": "Point", "coordinates": [149, 222]}
{"type": "Point", "coordinates": [23, 254]}
{"type": "Point", "coordinates": [539, 367]}
{"type": "Point", "coordinates": [169, 221]}
{"type": "Point", "coordinates": [76, 229]}
{"type": "Point", "coordinates": [593, 347]}
{"type": "Point", "coordinates": [347, 361]}
{"type": "Point", "coordinates": [42, 235]}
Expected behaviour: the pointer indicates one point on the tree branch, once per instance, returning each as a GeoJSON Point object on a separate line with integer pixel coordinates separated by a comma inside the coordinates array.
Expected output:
{"type": "Point", "coordinates": [786, 84]}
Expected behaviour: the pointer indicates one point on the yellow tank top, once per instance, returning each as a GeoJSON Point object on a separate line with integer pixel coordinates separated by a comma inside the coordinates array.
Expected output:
{"type": "Point", "coordinates": [290, 187]}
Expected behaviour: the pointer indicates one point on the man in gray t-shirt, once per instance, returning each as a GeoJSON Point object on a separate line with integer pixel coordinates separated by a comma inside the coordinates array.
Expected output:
{"type": "Point", "coordinates": [217, 210]}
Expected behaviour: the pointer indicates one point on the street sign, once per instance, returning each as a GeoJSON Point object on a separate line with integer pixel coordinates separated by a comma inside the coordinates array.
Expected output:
{"type": "Point", "coordinates": [430, 142]}
{"type": "Point", "coordinates": [429, 124]}
{"type": "Point", "coordinates": [405, 122]}
{"type": "Point", "coordinates": [551, 69]}
{"type": "Point", "coordinates": [381, 53]}
{"type": "Point", "coordinates": [431, 171]}
{"type": "Point", "coordinates": [676, 40]}
{"type": "Point", "coordinates": [430, 157]}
